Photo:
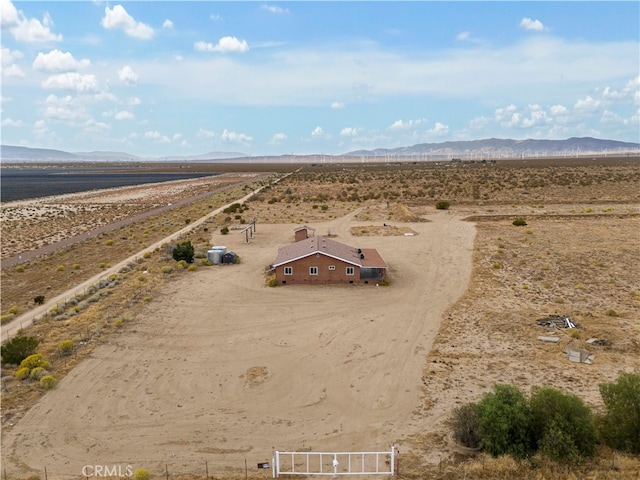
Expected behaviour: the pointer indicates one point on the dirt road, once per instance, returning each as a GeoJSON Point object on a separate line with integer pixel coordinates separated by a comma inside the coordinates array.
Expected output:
{"type": "Point", "coordinates": [221, 368]}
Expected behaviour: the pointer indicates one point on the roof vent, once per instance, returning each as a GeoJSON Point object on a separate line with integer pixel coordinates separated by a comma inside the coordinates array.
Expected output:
{"type": "Point", "coordinates": [361, 256]}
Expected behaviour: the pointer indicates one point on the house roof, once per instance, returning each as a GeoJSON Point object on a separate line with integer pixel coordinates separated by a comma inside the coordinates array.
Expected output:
{"type": "Point", "coordinates": [304, 227]}
{"type": "Point", "coordinates": [330, 248]}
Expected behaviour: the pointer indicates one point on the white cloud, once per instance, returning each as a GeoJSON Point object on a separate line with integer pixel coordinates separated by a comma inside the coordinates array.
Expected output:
{"type": "Point", "coordinates": [613, 118]}
{"type": "Point", "coordinates": [157, 136]}
{"type": "Point", "coordinates": [587, 104]}
{"type": "Point", "coordinates": [71, 81]}
{"type": "Point", "coordinates": [40, 128]}
{"type": "Point", "coordinates": [462, 36]}
{"type": "Point", "coordinates": [64, 108]}
{"type": "Point", "coordinates": [558, 110]}
{"type": "Point", "coordinates": [337, 105]}
{"type": "Point", "coordinates": [13, 71]}
{"type": "Point", "coordinates": [118, 18]}
{"type": "Point", "coordinates": [233, 137]}
{"type": "Point", "coordinates": [440, 129]}
{"type": "Point", "coordinates": [57, 61]}
{"type": "Point", "coordinates": [26, 29]}
{"type": "Point", "coordinates": [402, 125]}
{"type": "Point", "coordinates": [529, 24]}
{"type": "Point", "coordinates": [224, 45]}
{"type": "Point", "coordinates": [10, 122]}
{"type": "Point", "coordinates": [133, 101]}
{"type": "Point", "coordinates": [9, 15]}
{"type": "Point", "coordinates": [507, 116]}
{"type": "Point", "coordinates": [177, 136]}
{"type": "Point", "coordinates": [348, 132]}
{"type": "Point", "coordinates": [202, 133]}
{"type": "Point", "coordinates": [275, 9]}
{"type": "Point", "coordinates": [124, 115]}
{"type": "Point", "coordinates": [168, 24]}
{"type": "Point", "coordinates": [216, 17]}
{"type": "Point", "coordinates": [127, 75]}
{"type": "Point", "coordinates": [8, 59]}
{"type": "Point", "coordinates": [277, 138]}
{"type": "Point", "coordinates": [479, 123]}
{"type": "Point", "coordinates": [317, 132]}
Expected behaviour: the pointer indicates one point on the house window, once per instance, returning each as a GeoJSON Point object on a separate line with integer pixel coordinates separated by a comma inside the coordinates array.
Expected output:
{"type": "Point", "coordinates": [332, 267]}
{"type": "Point", "coordinates": [313, 270]}
{"type": "Point", "coordinates": [350, 271]}
{"type": "Point", "coordinates": [288, 270]}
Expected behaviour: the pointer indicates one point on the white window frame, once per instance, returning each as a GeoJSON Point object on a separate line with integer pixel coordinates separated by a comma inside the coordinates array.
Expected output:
{"type": "Point", "coordinates": [313, 270]}
{"type": "Point", "coordinates": [351, 271]}
{"type": "Point", "coordinates": [288, 270]}
{"type": "Point", "coordinates": [332, 267]}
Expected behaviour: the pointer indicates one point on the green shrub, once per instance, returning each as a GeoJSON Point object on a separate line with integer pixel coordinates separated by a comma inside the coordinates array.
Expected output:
{"type": "Point", "coordinates": [17, 349]}
{"type": "Point", "coordinates": [48, 382]}
{"type": "Point", "coordinates": [13, 309]}
{"type": "Point", "coordinates": [141, 474]}
{"type": "Point", "coordinates": [384, 282]}
{"type": "Point", "coordinates": [191, 268]}
{"type": "Point", "coordinates": [519, 222]}
{"type": "Point", "coordinates": [6, 318]}
{"type": "Point", "coordinates": [272, 282]}
{"type": "Point", "coordinates": [224, 230]}
{"type": "Point", "coordinates": [466, 425]}
{"type": "Point", "coordinates": [23, 373]}
{"type": "Point", "coordinates": [76, 266]}
{"type": "Point", "coordinates": [620, 426]}
{"type": "Point", "coordinates": [166, 269]}
{"type": "Point", "coordinates": [183, 251]}
{"type": "Point", "coordinates": [60, 268]}
{"type": "Point", "coordinates": [108, 243]}
{"type": "Point", "coordinates": [505, 422]}
{"type": "Point", "coordinates": [38, 299]}
{"type": "Point", "coordinates": [562, 426]}
{"type": "Point", "coordinates": [37, 373]}
{"type": "Point", "coordinates": [443, 205]}
{"type": "Point", "coordinates": [65, 347]}
{"type": "Point", "coordinates": [34, 361]}
{"type": "Point", "coordinates": [19, 269]}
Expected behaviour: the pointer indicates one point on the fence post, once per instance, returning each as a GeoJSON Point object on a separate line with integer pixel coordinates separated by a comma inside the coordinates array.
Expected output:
{"type": "Point", "coordinates": [45, 473]}
{"type": "Point", "coordinates": [166, 470]}
{"type": "Point", "coordinates": [206, 469]}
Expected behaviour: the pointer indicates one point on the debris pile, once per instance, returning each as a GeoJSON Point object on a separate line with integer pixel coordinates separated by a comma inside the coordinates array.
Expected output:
{"type": "Point", "coordinates": [557, 321]}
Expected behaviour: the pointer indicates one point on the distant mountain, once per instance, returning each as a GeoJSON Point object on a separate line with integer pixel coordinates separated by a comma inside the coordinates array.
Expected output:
{"type": "Point", "coordinates": [10, 153]}
{"type": "Point", "coordinates": [504, 148]}
{"type": "Point", "coordinates": [205, 156]}
{"type": "Point", "coordinates": [23, 154]}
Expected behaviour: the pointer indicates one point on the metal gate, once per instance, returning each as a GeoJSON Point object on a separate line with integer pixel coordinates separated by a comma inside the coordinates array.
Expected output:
{"type": "Point", "coordinates": [334, 463]}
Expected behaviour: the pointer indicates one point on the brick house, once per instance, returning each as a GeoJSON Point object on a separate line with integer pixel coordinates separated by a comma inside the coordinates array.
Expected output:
{"type": "Point", "coordinates": [316, 260]}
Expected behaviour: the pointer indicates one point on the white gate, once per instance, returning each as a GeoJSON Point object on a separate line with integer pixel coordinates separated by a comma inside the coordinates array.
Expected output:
{"type": "Point", "coordinates": [334, 463]}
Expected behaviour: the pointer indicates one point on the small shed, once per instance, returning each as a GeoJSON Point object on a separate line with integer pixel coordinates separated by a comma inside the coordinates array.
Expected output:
{"type": "Point", "coordinates": [229, 258]}
{"type": "Point", "coordinates": [304, 232]}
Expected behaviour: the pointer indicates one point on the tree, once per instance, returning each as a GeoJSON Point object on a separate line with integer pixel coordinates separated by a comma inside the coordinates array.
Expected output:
{"type": "Point", "coordinates": [183, 251]}
{"type": "Point", "coordinates": [443, 205]}
{"type": "Point", "coordinates": [562, 426]}
{"type": "Point", "coordinates": [504, 417]}
{"type": "Point", "coordinates": [466, 425]}
{"type": "Point", "coordinates": [620, 426]}
{"type": "Point", "coordinates": [17, 349]}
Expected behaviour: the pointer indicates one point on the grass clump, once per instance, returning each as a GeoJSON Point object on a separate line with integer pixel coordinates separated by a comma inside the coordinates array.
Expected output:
{"type": "Point", "coordinates": [48, 382]}
{"type": "Point", "coordinates": [65, 347]}
{"type": "Point", "coordinates": [519, 222]}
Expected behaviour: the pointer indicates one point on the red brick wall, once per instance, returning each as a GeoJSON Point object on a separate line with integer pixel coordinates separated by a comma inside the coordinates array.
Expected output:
{"type": "Point", "coordinates": [301, 271]}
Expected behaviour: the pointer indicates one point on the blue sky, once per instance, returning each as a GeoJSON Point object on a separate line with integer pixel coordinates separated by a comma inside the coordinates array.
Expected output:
{"type": "Point", "coordinates": [156, 78]}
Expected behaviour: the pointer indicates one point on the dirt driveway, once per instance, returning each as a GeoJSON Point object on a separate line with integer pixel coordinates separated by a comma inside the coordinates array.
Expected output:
{"type": "Point", "coordinates": [221, 368]}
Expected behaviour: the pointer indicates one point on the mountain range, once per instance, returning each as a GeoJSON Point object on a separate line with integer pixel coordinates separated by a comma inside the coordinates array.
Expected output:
{"type": "Point", "coordinates": [471, 149]}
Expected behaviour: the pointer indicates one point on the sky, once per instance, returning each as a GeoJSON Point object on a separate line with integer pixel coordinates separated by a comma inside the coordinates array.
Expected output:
{"type": "Point", "coordinates": [162, 78]}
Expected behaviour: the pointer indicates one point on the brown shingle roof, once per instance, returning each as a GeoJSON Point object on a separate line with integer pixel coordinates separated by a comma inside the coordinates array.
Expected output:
{"type": "Point", "coordinates": [331, 248]}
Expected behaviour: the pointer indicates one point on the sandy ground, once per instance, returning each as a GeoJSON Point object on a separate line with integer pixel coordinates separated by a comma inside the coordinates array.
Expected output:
{"type": "Point", "coordinates": [221, 368]}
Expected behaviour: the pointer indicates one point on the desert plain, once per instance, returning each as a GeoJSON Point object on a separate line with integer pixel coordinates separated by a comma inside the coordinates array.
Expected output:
{"type": "Point", "coordinates": [174, 369]}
